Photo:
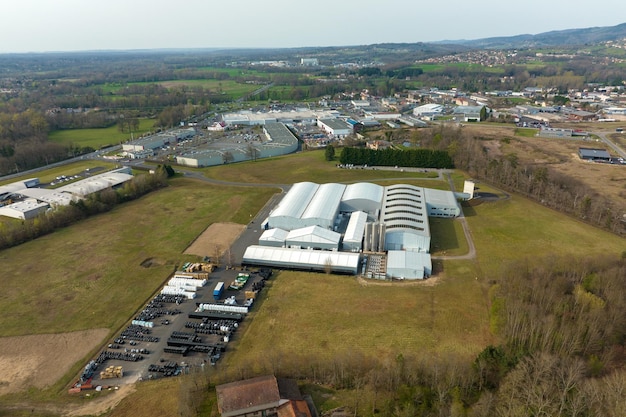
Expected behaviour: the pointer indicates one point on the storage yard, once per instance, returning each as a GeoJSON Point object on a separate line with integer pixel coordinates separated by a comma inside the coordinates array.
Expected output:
{"type": "Point", "coordinates": [188, 324]}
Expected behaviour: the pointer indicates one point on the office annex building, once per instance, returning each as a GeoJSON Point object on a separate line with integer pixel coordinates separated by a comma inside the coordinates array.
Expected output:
{"type": "Point", "coordinates": [362, 228]}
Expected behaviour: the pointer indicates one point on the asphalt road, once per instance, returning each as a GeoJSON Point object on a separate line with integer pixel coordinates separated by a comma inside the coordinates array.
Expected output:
{"type": "Point", "coordinates": [615, 147]}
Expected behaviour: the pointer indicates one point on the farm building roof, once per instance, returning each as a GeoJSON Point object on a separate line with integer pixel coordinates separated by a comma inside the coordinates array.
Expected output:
{"type": "Point", "coordinates": [255, 395]}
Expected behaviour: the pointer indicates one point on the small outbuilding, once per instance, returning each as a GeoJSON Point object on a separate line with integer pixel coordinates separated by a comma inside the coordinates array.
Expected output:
{"type": "Point", "coordinates": [408, 265]}
{"type": "Point", "coordinates": [590, 154]}
{"type": "Point", "coordinates": [261, 396]}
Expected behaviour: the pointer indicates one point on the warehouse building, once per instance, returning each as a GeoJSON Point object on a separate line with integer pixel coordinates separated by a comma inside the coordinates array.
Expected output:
{"type": "Point", "coordinates": [313, 237]}
{"type": "Point", "coordinates": [303, 259]}
{"type": "Point", "coordinates": [405, 218]}
{"type": "Point", "coordinates": [362, 196]}
{"type": "Point", "coordinates": [440, 203]}
{"type": "Point", "coordinates": [24, 210]}
{"type": "Point", "coordinates": [32, 201]}
{"type": "Point", "coordinates": [360, 217]}
{"type": "Point", "coordinates": [279, 141]}
{"type": "Point", "coordinates": [408, 265]}
{"type": "Point", "coordinates": [158, 140]}
{"type": "Point", "coordinates": [98, 182]}
{"type": "Point", "coordinates": [355, 231]}
{"type": "Point", "coordinates": [273, 237]}
{"type": "Point", "coordinates": [335, 127]}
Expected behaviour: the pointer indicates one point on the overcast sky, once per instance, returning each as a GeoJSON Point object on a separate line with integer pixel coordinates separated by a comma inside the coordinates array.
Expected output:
{"type": "Point", "coordinates": [73, 25]}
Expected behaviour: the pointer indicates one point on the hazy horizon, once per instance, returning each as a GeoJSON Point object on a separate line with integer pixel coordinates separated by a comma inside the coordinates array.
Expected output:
{"type": "Point", "coordinates": [33, 26]}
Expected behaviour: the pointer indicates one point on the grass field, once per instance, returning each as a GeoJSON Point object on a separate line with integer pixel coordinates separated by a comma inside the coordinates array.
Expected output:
{"type": "Point", "coordinates": [519, 229]}
{"type": "Point", "coordinates": [303, 166]}
{"type": "Point", "coordinates": [317, 317]}
{"type": "Point", "coordinates": [526, 132]}
{"type": "Point", "coordinates": [97, 138]}
{"type": "Point", "coordinates": [89, 275]}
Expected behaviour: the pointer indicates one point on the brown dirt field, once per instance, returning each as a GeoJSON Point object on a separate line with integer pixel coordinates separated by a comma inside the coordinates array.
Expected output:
{"type": "Point", "coordinates": [215, 239]}
{"type": "Point", "coordinates": [41, 360]}
{"type": "Point", "coordinates": [559, 155]}
{"type": "Point", "coordinates": [562, 157]}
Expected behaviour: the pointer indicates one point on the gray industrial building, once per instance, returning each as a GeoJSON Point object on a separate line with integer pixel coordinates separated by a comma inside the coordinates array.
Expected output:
{"type": "Point", "coordinates": [590, 154]}
{"type": "Point", "coordinates": [279, 141]}
{"type": "Point", "coordinates": [357, 218]}
{"type": "Point", "coordinates": [158, 140]}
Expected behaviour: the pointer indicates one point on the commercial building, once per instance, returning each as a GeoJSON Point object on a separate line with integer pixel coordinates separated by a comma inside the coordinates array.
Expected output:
{"type": "Point", "coordinates": [428, 110]}
{"type": "Point", "coordinates": [24, 210]}
{"type": "Point", "coordinates": [468, 113]}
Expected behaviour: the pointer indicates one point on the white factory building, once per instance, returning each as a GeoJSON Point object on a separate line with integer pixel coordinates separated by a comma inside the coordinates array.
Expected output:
{"type": "Point", "coordinates": [32, 200]}
{"type": "Point", "coordinates": [356, 218]}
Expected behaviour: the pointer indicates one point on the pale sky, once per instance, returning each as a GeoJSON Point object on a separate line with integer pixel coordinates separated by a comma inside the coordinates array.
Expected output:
{"type": "Point", "coordinates": [76, 25]}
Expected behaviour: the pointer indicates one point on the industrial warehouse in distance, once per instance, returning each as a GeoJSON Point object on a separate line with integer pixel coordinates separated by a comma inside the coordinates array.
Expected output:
{"type": "Point", "coordinates": [376, 231]}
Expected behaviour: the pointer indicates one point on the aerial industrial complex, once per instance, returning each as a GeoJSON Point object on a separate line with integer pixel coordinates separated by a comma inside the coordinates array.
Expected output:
{"type": "Point", "coordinates": [26, 199]}
{"type": "Point", "coordinates": [363, 228]}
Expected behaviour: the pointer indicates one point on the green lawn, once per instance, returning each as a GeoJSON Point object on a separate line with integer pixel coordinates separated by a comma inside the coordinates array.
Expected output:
{"type": "Point", "coordinates": [311, 318]}
{"type": "Point", "coordinates": [526, 132]}
{"type": "Point", "coordinates": [97, 138]}
{"type": "Point", "coordinates": [518, 228]}
{"type": "Point", "coordinates": [447, 238]}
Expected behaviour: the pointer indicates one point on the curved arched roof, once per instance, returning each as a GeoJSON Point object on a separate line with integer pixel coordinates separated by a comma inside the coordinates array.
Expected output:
{"type": "Point", "coordinates": [296, 200]}
{"type": "Point", "coordinates": [364, 191]}
{"type": "Point", "coordinates": [325, 202]}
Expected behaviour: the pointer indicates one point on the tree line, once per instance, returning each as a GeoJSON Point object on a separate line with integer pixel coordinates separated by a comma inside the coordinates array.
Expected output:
{"type": "Point", "coordinates": [17, 232]}
{"type": "Point", "coordinates": [539, 183]}
{"type": "Point", "coordinates": [561, 329]}
{"type": "Point", "coordinates": [417, 158]}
